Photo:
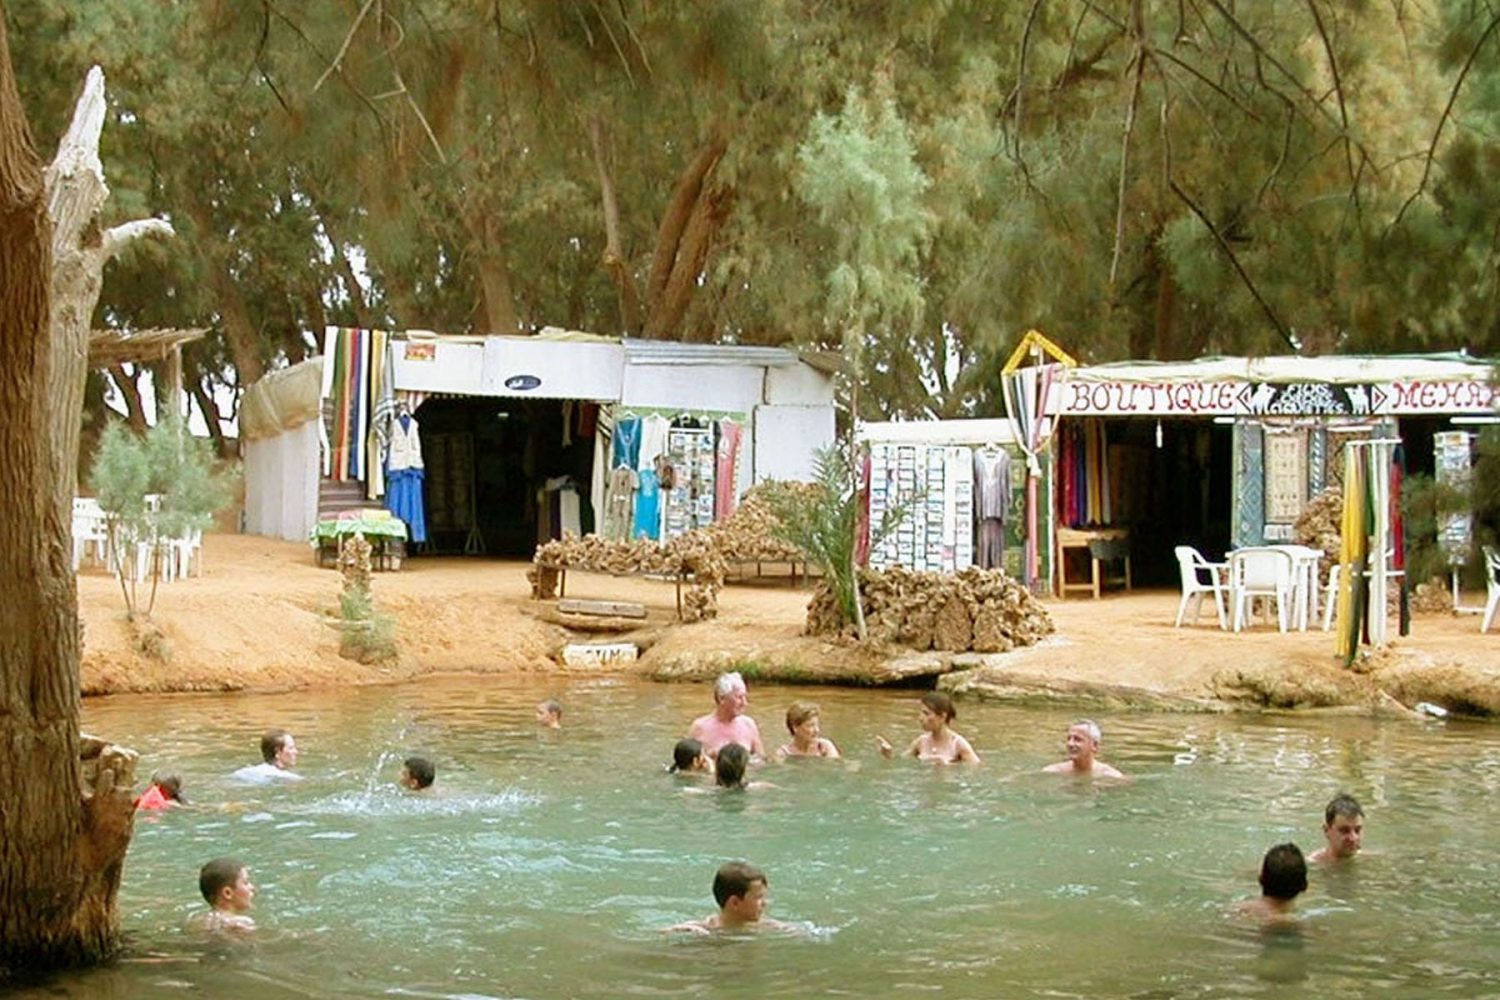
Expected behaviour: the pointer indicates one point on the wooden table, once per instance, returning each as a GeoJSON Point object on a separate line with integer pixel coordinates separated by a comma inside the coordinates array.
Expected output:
{"type": "Point", "coordinates": [1079, 538]}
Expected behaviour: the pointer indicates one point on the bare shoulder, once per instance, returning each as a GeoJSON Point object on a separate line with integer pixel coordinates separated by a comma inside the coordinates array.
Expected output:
{"type": "Point", "coordinates": [217, 921]}
{"type": "Point", "coordinates": [705, 926]}
{"type": "Point", "coordinates": [1061, 767]}
{"type": "Point", "coordinates": [965, 750]}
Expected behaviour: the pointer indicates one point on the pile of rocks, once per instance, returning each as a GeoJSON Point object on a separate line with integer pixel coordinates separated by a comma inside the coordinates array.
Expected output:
{"type": "Point", "coordinates": [749, 534]}
{"type": "Point", "coordinates": [983, 610]}
{"type": "Point", "coordinates": [692, 556]}
{"type": "Point", "coordinates": [1318, 527]}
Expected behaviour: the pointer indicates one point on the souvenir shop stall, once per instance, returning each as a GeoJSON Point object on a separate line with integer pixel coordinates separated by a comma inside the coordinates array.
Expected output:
{"type": "Point", "coordinates": [1223, 453]}
{"type": "Point", "coordinates": [963, 484]}
{"type": "Point", "coordinates": [492, 445]}
{"type": "Point", "coordinates": [696, 426]}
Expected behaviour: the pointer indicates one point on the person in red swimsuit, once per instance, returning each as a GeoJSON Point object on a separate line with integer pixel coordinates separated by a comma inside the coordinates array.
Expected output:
{"type": "Point", "coordinates": [164, 793]}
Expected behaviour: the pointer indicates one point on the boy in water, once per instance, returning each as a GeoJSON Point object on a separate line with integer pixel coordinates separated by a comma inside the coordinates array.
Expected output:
{"type": "Point", "coordinates": [164, 793]}
{"type": "Point", "coordinates": [804, 723]}
{"type": "Point", "coordinates": [937, 743]}
{"type": "Point", "coordinates": [417, 774]}
{"type": "Point", "coordinates": [225, 884]}
{"type": "Point", "coordinates": [549, 714]}
{"type": "Point", "coordinates": [1343, 828]}
{"type": "Point", "coordinates": [688, 758]}
{"type": "Point", "coordinates": [1283, 877]}
{"type": "Point", "coordinates": [740, 889]}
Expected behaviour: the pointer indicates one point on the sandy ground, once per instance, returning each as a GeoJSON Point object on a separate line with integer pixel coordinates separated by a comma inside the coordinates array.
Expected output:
{"type": "Point", "coordinates": [260, 616]}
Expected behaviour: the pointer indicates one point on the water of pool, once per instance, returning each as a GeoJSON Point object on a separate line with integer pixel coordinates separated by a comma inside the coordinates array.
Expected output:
{"type": "Point", "coordinates": [547, 862]}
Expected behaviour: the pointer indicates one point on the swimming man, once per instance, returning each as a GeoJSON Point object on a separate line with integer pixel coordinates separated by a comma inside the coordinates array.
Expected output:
{"type": "Point", "coordinates": [728, 723]}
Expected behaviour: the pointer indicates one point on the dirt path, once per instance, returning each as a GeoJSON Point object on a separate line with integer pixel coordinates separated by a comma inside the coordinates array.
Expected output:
{"type": "Point", "coordinates": [258, 619]}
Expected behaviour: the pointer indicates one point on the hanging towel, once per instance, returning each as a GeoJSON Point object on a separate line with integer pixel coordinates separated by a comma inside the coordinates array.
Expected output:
{"type": "Point", "coordinates": [726, 482]}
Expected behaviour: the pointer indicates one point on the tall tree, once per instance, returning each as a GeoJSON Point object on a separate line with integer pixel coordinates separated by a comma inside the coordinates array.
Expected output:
{"type": "Point", "coordinates": [66, 822]}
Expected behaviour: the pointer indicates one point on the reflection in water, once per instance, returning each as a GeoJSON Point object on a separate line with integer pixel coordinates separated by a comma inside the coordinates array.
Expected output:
{"type": "Point", "coordinates": [544, 864]}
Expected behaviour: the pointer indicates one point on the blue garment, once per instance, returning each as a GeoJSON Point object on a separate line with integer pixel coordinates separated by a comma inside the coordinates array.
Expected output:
{"type": "Point", "coordinates": [625, 448]}
{"type": "Point", "coordinates": [403, 497]}
{"type": "Point", "coordinates": [647, 506]}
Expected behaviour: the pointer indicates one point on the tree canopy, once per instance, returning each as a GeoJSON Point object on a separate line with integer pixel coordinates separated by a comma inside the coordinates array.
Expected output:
{"type": "Point", "coordinates": [913, 183]}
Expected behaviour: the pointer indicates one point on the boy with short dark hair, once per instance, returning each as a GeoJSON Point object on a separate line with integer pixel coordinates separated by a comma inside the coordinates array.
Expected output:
{"type": "Point", "coordinates": [1283, 877]}
{"type": "Point", "coordinates": [417, 773]}
{"type": "Point", "coordinates": [226, 886]}
{"type": "Point", "coordinates": [740, 889]}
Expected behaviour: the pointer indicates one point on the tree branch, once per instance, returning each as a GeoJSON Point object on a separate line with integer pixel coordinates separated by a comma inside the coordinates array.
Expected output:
{"type": "Point", "coordinates": [1138, 28]}
{"type": "Point", "coordinates": [339, 58]}
{"type": "Point", "coordinates": [1338, 90]}
{"type": "Point", "coordinates": [1218, 236]}
{"type": "Point", "coordinates": [117, 238]}
{"type": "Point", "coordinates": [1447, 112]}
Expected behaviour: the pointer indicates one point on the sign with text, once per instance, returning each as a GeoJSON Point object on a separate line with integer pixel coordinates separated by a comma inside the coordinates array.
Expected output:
{"type": "Point", "coordinates": [1240, 398]}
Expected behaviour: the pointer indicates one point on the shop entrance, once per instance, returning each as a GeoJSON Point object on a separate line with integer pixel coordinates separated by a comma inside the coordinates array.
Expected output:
{"type": "Point", "coordinates": [486, 460]}
{"type": "Point", "coordinates": [1171, 486]}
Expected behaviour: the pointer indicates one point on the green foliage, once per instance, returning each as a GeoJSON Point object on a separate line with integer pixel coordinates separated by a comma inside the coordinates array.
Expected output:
{"type": "Point", "coordinates": [913, 182]}
{"type": "Point", "coordinates": [366, 636]}
{"type": "Point", "coordinates": [822, 522]}
{"type": "Point", "coordinates": [155, 487]}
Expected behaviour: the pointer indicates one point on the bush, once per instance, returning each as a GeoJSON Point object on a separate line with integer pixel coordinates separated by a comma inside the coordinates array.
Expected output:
{"type": "Point", "coordinates": [155, 487]}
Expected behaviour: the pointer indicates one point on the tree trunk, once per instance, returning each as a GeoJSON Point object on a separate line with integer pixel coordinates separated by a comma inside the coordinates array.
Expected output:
{"type": "Point", "coordinates": [666, 263]}
{"type": "Point", "coordinates": [708, 216]}
{"type": "Point", "coordinates": [499, 305]}
{"type": "Point", "coordinates": [405, 314]}
{"type": "Point", "coordinates": [130, 390]}
{"type": "Point", "coordinates": [76, 193]}
{"type": "Point", "coordinates": [63, 830]}
{"type": "Point", "coordinates": [198, 387]}
{"type": "Point", "coordinates": [239, 328]}
{"type": "Point", "coordinates": [614, 253]}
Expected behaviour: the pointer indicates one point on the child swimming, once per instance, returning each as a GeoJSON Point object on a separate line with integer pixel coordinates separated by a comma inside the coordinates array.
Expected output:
{"type": "Point", "coordinates": [688, 758]}
{"type": "Point", "coordinates": [164, 793]}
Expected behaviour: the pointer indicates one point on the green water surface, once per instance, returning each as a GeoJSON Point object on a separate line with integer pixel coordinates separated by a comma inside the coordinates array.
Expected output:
{"type": "Point", "coordinates": [547, 862]}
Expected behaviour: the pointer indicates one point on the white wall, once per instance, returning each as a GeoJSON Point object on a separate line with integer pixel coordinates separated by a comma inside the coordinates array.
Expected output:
{"type": "Point", "coordinates": [798, 385]}
{"type": "Point", "coordinates": [787, 436]}
{"type": "Point", "coordinates": [281, 483]}
{"type": "Point", "coordinates": [454, 367]}
{"type": "Point", "coordinates": [561, 369]}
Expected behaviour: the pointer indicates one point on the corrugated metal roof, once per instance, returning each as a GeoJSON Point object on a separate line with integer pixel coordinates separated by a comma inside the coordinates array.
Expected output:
{"type": "Point", "coordinates": [1333, 368]}
{"type": "Point", "coordinates": [668, 352]}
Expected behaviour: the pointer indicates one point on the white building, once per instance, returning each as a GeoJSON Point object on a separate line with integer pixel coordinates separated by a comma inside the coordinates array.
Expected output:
{"type": "Point", "coordinates": [507, 422]}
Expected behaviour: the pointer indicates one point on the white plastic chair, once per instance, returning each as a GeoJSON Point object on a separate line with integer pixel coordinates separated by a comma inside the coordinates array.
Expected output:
{"type": "Point", "coordinates": [90, 530]}
{"type": "Point", "coordinates": [1192, 566]}
{"type": "Point", "coordinates": [1260, 572]}
{"type": "Point", "coordinates": [1492, 581]}
{"type": "Point", "coordinates": [185, 554]}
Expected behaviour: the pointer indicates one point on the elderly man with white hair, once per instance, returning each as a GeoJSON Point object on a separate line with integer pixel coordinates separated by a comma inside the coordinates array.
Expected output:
{"type": "Point", "coordinates": [728, 723]}
{"type": "Point", "coordinates": [1083, 744]}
